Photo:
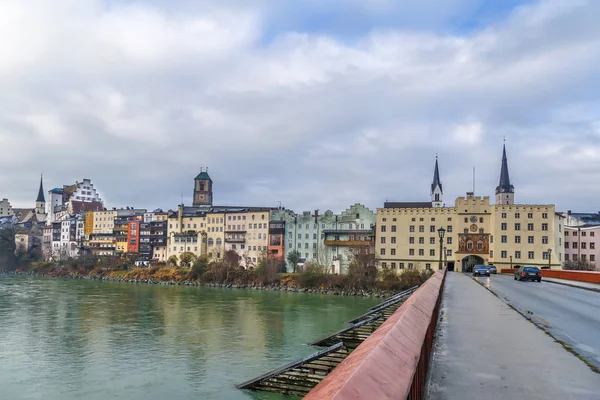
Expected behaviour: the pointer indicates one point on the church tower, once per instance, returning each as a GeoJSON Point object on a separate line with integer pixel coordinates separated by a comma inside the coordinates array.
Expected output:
{"type": "Point", "coordinates": [437, 194]}
{"type": "Point", "coordinates": [40, 203]}
{"type": "Point", "coordinates": [505, 192]}
{"type": "Point", "coordinates": [203, 194]}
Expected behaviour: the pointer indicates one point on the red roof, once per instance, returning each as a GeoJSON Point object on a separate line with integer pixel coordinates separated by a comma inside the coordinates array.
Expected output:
{"type": "Point", "coordinates": [81, 206]}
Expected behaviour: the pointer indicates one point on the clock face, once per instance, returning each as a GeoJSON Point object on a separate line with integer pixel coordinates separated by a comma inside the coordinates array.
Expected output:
{"type": "Point", "coordinates": [473, 228]}
{"type": "Point", "coordinates": [201, 197]}
{"type": "Point", "coordinates": [473, 219]}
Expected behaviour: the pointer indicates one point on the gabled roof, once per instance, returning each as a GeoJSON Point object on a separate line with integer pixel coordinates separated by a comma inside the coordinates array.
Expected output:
{"type": "Point", "coordinates": [408, 204]}
{"type": "Point", "coordinates": [504, 185]}
{"type": "Point", "coordinates": [203, 176]}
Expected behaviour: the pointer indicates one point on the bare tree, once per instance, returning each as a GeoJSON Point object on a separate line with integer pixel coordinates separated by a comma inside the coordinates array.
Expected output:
{"type": "Point", "coordinates": [580, 265]}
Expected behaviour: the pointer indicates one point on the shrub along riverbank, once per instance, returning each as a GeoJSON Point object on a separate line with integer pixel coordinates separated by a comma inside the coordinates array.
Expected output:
{"type": "Point", "coordinates": [362, 278]}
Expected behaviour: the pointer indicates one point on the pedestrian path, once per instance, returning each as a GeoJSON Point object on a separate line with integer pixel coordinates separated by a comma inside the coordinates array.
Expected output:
{"type": "Point", "coordinates": [582, 285]}
{"type": "Point", "coordinates": [486, 350]}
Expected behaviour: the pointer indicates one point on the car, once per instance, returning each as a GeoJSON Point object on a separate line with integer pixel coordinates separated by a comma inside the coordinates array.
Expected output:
{"type": "Point", "coordinates": [492, 269]}
{"type": "Point", "coordinates": [528, 274]}
{"type": "Point", "coordinates": [479, 270]}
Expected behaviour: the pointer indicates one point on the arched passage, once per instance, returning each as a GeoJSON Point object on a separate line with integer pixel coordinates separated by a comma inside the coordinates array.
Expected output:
{"type": "Point", "coordinates": [470, 261]}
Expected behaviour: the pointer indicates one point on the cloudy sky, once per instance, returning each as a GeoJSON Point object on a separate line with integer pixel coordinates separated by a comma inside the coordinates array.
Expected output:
{"type": "Point", "coordinates": [317, 104]}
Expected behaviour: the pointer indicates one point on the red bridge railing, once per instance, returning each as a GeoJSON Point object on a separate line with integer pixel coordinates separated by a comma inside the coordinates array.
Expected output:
{"type": "Point", "coordinates": [392, 363]}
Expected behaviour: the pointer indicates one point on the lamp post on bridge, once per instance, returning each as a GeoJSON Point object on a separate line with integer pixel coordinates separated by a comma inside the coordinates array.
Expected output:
{"type": "Point", "coordinates": [445, 257]}
{"type": "Point", "coordinates": [510, 262]}
{"type": "Point", "coordinates": [549, 258]}
{"type": "Point", "coordinates": [441, 233]}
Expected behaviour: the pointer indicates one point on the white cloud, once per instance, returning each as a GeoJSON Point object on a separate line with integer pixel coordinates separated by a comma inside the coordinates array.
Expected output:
{"type": "Point", "coordinates": [137, 96]}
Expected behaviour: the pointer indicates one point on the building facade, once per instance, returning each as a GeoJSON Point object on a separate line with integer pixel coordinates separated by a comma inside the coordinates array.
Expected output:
{"type": "Point", "coordinates": [582, 245]}
{"type": "Point", "coordinates": [6, 209]}
{"type": "Point", "coordinates": [474, 232]}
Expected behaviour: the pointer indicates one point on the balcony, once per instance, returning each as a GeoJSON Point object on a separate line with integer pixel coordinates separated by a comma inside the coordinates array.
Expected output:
{"type": "Point", "coordinates": [235, 240]}
{"type": "Point", "coordinates": [350, 243]}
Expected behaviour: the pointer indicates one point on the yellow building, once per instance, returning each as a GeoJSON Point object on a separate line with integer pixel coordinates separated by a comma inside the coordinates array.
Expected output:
{"type": "Point", "coordinates": [102, 244]}
{"type": "Point", "coordinates": [474, 232]}
{"type": "Point", "coordinates": [88, 227]}
{"type": "Point", "coordinates": [257, 236]}
{"type": "Point", "coordinates": [104, 221]}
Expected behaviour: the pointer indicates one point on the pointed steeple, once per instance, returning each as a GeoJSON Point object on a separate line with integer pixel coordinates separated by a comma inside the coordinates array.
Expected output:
{"type": "Point", "coordinates": [437, 193]}
{"type": "Point", "coordinates": [505, 192]}
{"type": "Point", "coordinates": [436, 177]}
{"type": "Point", "coordinates": [504, 186]}
{"type": "Point", "coordinates": [40, 197]}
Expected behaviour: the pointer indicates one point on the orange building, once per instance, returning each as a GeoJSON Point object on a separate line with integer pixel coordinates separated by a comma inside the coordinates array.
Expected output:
{"type": "Point", "coordinates": [133, 235]}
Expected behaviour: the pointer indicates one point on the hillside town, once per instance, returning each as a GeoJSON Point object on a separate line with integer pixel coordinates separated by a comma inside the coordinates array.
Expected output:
{"type": "Point", "coordinates": [72, 221]}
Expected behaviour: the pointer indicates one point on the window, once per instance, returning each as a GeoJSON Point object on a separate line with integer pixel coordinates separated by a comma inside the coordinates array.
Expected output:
{"type": "Point", "coordinates": [481, 230]}
{"type": "Point", "coordinates": [574, 233]}
{"type": "Point", "coordinates": [574, 257]}
{"type": "Point", "coordinates": [529, 215]}
{"type": "Point", "coordinates": [545, 215]}
{"type": "Point", "coordinates": [517, 254]}
{"type": "Point", "coordinates": [503, 215]}
{"type": "Point", "coordinates": [544, 227]}
{"type": "Point", "coordinates": [544, 239]}
{"type": "Point", "coordinates": [421, 252]}
{"type": "Point", "coordinates": [401, 265]}
{"type": "Point", "coordinates": [530, 239]}
{"type": "Point", "coordinates": [382, 228]}
{"type": "Point", "coordinates": [410, 265]}
{"type": "Point", "coordinates": [531, 255]}
{"type": "Point", "coordinates": [393, 265]}
{"type": "Point", "coordinates": [421, 228]}
{"type": "Point", "coordinates": [306, 236]}
{"type": "Point", "coordinates": [432, 253]}
{"type": "Point", "coordinates": [449, 240]}
{"type": "Point", "coordinates": [592, 257]}
{"type": "Point", "coordinates": [567, 257]}
{"type": "Point", "coordinates": [491, 253]}
{"type": "Point", "coordinates": [583, 257]}
{"type": "Point", "coordinates": [449, 229]}
{"type": "Point", "coordinates": [591, 233]}
{"type": "Point", "coordinates": [411, 240]}
{"type": "Point", "coordinates": [432, 228]}
{"type": "Point", "coordinates": [432, 240]}
{"type": "Point", "coordinates": [503, 226]}
{"type": "Point", "coordinates": [411, 228]}
{"type": "Point", "coordinates": [503, 239]}
{"type": "Point", "coordinates": [393, 252]}
{"type": "Point", "coordinates": [517, 239]}
{"type": "Point", "coordinates": [503, 254]}
{"type": "Point", "coordinates": [382, 252]}
{"type": "Point", "coordinates": [306, 245]}
{"type": "Point", "coordinates": [529, 227]}
{"type": "Point", "coordinates": [545, 255]}
{"type": "Point", "coordinates": [592, 245]}
{"type": "Point", "coordinates": [383, 240]}
{"type": "Point", "coordinates": [393, 239]}
{"type": "Point", "coordinates": [428, 266]}
{"type": "Point", "coordinates": [411, 252]}
{"type": "Point", "coordinates": [314, 236]}
{"type": "Point", "coordinates": [517, 226]}
{"type": "Point", "coordinates": [481, 220]}
{"type": "Point", "coordinates": [466, 220]}
{"type": "Point", "coordinates": [517, 215]}
{"type": "Point", "coordinates": [583, 245]}
{"type": "Point", "coordinates": [583, 233]}
{"type": "Point", "coordinates": [421, 240]}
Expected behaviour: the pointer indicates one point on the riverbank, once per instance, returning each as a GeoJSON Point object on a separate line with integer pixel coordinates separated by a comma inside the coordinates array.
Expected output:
{"type": "Point", "coordinates": [251, 286]}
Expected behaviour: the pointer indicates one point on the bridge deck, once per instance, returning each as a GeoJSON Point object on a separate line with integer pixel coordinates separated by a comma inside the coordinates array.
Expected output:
{"type": "Point", "coordinates": [486, 350]}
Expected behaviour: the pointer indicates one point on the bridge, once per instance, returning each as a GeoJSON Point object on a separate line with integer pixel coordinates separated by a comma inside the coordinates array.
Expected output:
{"type": "Point", "coordinates": [459, 337]}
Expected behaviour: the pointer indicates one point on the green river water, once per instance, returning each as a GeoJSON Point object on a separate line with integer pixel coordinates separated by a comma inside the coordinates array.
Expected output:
{"type": "Point", "coordinates": [71, 339]}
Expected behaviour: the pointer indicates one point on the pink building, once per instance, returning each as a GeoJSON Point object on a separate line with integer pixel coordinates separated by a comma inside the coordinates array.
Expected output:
{"type": "Point", "coordinates": [582, 243]}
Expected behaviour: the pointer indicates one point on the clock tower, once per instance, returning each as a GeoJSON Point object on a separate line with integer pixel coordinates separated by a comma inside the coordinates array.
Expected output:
{"type": "Point", "coordinates": [203, 195]}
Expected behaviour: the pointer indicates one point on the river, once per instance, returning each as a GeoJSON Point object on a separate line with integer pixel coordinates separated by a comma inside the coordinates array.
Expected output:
{"type": "Point", "coordinates": [71, 339]}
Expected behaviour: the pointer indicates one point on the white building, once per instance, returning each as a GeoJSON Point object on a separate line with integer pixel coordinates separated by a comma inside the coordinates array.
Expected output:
{"type": "Point", "coordinates": [6, 209]}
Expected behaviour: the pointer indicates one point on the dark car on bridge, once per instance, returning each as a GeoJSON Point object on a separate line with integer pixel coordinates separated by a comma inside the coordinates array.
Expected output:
{"type": "Point", "coordinates": [492, 269]}
{"type": "Point", "coordinates": [528, 274]}
{"type": "Point", "coordinates": [480, 270]}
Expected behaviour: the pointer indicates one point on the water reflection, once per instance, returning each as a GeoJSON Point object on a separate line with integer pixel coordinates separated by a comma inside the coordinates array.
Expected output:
{"type": "Point", "coordinates": [65, 339]}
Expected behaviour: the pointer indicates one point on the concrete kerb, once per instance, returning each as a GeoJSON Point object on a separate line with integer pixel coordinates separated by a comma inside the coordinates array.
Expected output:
{"type": "Point", "coordinates": [397, 344]}
{"type": "Point", "coordinates": [541, 324]}
{"type": "Point", "coordinates": [574, 286]}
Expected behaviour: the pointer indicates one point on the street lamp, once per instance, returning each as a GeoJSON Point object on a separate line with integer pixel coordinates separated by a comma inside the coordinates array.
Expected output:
{"type": "Point", "coordinates": [445, 257]}
{"type": "Point", "coordinates": [441, 233]}
{"type": "Point", "coordinates": [510, 262]}
{"type": "Point", "coordinates": [549, 258]}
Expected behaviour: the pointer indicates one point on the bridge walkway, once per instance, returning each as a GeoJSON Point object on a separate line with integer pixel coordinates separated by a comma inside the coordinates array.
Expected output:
{"type": "Point", "coordinates": [486, 350]}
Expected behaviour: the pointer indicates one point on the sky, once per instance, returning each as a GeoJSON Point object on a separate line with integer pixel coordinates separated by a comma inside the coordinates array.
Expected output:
{"type": "Point", "coordinates": [314, 104]}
